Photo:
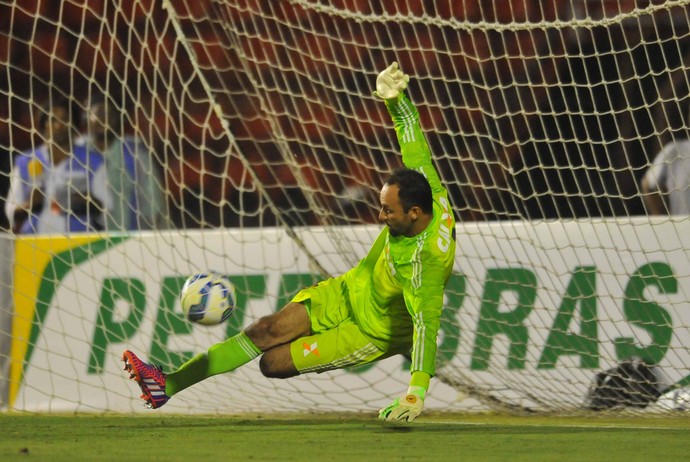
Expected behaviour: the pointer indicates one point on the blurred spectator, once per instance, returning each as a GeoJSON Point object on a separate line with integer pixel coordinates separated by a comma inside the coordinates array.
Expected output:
{"type": "Point", "coordinates": [665, 185]}
{"type": "Point", "coordinates": [27, 185]}
{"type": "Point", "coordinates": [127, 184]}
{"type": "Point", "coordinates": [50, 185]}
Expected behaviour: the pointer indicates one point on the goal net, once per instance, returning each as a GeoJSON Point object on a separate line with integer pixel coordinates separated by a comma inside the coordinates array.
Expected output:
{"type": "Point", "coordinates": [241, 136]}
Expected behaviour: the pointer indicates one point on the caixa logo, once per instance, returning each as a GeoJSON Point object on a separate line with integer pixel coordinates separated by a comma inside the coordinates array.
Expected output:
{"type": "Point", "coordinates": [444, 229]}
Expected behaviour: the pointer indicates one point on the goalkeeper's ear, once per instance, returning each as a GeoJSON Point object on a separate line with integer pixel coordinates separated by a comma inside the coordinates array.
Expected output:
{"type": "Point", "coordinates": [391, 82]}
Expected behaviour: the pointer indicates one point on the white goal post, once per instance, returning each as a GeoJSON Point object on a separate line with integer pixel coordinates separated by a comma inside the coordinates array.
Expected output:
{"type": "Point", "coordinates": [253, 146]}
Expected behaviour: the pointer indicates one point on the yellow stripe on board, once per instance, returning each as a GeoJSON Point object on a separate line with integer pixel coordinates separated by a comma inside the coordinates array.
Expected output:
{"type": "Point", "coordinates": [32, 255]}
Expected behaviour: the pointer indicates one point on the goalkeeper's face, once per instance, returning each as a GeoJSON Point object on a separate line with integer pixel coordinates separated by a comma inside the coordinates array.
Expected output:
{"type": "Point", "coordinates": [392, 213]}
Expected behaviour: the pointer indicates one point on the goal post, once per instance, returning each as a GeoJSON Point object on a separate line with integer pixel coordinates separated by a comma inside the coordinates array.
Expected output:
{"type": "Point", "coordinates": [241, 136]}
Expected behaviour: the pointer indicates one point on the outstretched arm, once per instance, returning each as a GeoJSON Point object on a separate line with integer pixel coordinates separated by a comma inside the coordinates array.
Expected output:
{"type": "Point", "coordinates": [423, 302]}
{"type": "Point", "coordinates": [390, 86]}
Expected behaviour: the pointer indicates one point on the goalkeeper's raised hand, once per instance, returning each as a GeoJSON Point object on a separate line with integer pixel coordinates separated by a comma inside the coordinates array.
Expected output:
{"type": "Point", "coordinates": [390, 82]}
{"type": "Point", "coordinates": [406, 408]}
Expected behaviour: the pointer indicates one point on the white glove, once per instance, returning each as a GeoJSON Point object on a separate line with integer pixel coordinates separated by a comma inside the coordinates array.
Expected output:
{"type": "Point", "coordinates": [391, 82]}
{"type": "Point", "coordinates": [406, 408]}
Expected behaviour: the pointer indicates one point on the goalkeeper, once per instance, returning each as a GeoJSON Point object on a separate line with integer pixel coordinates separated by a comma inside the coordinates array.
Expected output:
{"type": "Point", "coordinates": [389, 304]}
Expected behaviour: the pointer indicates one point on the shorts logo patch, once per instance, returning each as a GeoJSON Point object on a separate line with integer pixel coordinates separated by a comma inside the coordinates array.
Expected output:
{"type": "Point", "coordinates": [313, 348]}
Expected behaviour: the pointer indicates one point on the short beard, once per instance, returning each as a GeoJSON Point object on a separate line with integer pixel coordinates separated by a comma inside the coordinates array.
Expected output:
{"type": "Point", "coordinates": [397, 232]}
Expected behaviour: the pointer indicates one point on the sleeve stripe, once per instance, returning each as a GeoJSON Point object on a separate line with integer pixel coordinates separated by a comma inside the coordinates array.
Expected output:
{"type": "Point", "coordinates": [407, 117]}
{"type": "Point", "coordinates": [420, 328]}
{"type": "Point", "coordinates": [417, 262]}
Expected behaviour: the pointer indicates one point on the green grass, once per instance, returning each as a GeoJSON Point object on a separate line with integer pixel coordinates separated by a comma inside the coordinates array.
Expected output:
{"type": "Point", "coordinates": [342, 438]}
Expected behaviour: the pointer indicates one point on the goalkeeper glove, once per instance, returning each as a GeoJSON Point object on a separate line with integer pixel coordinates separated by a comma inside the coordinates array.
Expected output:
{"type": "Point", "coordinates": [405, 408]}
{"type": "Point", "coordinates": [390, 82]}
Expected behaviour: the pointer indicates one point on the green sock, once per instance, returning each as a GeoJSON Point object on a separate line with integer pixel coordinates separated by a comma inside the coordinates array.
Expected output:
{"type": "Point", "coordinates": [221, 357]}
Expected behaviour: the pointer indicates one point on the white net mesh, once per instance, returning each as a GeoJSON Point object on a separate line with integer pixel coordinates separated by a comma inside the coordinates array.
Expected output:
{"type": "Point", "coordinates": [255, 115]}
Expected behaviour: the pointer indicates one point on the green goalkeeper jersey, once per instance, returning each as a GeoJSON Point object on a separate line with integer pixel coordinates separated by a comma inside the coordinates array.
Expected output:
{"type": "Point", "coordinates": [396, 291]}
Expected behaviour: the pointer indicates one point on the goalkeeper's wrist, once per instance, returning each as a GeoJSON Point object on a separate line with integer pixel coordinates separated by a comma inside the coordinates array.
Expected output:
{"type": "Point", "coordinates": [419, 392]}
{"type": "Point", "coordinates": [419, 384]}
{"type": "Point", "coordinates": [393, 102]}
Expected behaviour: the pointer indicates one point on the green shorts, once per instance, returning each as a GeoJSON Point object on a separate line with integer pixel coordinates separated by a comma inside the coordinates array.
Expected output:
{"type": "Point", "coordinates": [336, 341]}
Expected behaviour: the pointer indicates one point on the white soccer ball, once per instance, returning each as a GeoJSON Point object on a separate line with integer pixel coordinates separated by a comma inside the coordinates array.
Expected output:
{"type": "Point", "coordinates": [208, 298]}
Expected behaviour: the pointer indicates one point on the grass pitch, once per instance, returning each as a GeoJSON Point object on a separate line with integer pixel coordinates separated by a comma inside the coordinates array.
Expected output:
{"type": "Point", "coordinates": [342, 438]}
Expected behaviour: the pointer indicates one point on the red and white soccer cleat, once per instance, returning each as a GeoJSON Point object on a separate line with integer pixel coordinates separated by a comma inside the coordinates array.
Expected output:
{"type": "Point", "coordinates": [150, 378]}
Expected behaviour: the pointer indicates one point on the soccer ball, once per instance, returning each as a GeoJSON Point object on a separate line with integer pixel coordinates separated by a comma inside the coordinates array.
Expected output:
{"type": "Point", "coordinates": [207, 298]}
